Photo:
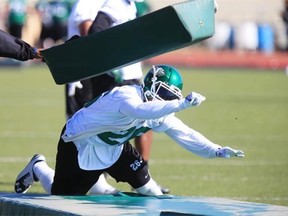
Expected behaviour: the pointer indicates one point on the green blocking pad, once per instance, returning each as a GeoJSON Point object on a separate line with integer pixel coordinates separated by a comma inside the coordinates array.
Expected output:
{"type": "Point", "coordinates": [156, 33]}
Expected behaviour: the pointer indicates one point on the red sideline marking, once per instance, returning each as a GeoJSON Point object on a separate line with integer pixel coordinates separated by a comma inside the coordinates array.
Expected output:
{"type": "Point", "coordinates": [204, 58]}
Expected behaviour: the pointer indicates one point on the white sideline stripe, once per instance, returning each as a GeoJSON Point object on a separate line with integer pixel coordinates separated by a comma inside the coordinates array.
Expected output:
{"type": "Point", "coordinates": [48, 102]}
{"type": "Point", "coordinates": [29, 134]}
{"type": "Point", "coordinates": [206, 178]}
{"type": "Point", "coordinates": [218, 162]}
{"type": "Point", "coordinates": [215, 162]}
{"type": "Point", "coordinates": [260, 198]}
{"type": "Point", "coordinates": [20, 159]}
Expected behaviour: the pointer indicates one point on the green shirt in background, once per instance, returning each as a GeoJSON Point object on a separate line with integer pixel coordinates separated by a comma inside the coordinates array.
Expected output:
{"type": "Point", "coordinates": [17, 12]}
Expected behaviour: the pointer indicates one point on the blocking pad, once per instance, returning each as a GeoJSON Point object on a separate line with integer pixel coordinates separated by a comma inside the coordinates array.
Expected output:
{"type": "Point", "coordinates": [156, 33]}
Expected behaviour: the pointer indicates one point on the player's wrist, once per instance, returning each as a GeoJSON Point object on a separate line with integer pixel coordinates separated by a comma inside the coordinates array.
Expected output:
{"type": "Point", "coordinates": [34, 52]}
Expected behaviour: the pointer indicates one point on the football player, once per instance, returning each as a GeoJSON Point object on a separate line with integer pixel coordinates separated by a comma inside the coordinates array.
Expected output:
{"type": "Point", "coordinates": [96, 138]}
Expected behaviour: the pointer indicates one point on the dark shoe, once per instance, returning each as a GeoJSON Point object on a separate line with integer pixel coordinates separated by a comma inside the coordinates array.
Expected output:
{"type": "Point", "coordinates": [26, 177]}
{"type": "Point", "coordinates": [164, 190]}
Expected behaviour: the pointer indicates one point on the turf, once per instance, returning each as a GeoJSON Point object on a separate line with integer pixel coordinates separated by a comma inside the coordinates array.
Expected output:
{"type": "Point", "coordinates": [245, 109]}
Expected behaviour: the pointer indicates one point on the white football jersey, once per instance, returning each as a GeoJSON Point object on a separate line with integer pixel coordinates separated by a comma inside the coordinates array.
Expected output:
{"type": "Point", "coordinates": [119, 11]}
{"type": "Point", "coordinates": [101, 127]}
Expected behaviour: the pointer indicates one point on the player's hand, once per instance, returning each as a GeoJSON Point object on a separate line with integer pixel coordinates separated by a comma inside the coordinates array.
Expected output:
{"type": "Point", "coordinates": [72, 88]}
{"type": "Point", "coordinates": [37, 52]}
{"type": "Point", "coordinates": [227, 152]}
{"type": "Point", "coordinates": [195, 99]}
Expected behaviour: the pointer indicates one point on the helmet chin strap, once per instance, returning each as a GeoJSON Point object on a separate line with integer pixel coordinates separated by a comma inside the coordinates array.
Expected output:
{"type": "Point", "coordinates": [156, 71]}
{"type": "Point", "coordinates": [154, 79]}
{"type": "Point", "coordinates": [151, 93]}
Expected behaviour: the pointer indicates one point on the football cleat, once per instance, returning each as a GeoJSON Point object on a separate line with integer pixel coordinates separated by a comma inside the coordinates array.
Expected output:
{"type": "Point", "coordinates": [26, 177]}
{"type": "Point", "coordinates": [164, 190]}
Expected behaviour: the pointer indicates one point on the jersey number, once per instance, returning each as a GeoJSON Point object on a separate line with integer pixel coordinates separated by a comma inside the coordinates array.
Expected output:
{"type": "Point", "coordinates": [134, 166]}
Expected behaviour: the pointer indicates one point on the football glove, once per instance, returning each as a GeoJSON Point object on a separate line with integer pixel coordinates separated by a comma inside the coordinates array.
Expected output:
{"type": "Point", "coordinates": [195, 99]}
{"type": "Point", "coordinates": [72, 88]}
{"type": "Point", "coordinates": [227, 152]}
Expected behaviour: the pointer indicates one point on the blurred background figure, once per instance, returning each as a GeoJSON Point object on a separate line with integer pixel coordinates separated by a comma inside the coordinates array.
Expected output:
{"type": "Point", "coordinates": [143, 7]}
{"type": "Point", "coordinates": [247, 36]}
{"type": "Point", "coordinates": [16, 16]}
{"type": "Point", "coordinates": [15, 48]}
{"type": "Point", "coordinates": [223, 37]}
{"type": "Point", "coordinates": [54, 17]}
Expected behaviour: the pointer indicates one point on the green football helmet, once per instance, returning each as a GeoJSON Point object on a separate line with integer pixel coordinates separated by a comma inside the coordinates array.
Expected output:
{"type": "Point", "coordinates": [162, 82]}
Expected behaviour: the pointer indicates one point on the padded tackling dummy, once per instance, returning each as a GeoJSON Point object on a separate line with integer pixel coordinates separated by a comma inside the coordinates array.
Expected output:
{"type": "Point", "coordinates": [156, 33]}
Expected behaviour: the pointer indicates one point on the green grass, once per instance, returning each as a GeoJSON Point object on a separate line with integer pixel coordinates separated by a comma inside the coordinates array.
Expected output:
{"type": "Point", "coordinates": [245, 109]}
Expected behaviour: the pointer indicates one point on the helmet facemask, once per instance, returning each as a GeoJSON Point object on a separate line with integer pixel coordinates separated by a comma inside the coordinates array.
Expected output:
{"type": "Point", "coordinates": [160, 90]}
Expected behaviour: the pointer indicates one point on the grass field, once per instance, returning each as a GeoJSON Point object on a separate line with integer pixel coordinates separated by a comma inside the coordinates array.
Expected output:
{"type": "Point", "coordinates": [245, 109]}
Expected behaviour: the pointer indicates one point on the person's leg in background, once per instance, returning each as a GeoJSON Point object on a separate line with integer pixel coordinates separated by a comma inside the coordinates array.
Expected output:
{"type": "Point", "coordinates": [143, 144]}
